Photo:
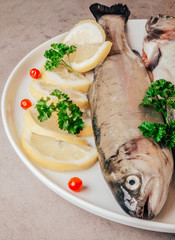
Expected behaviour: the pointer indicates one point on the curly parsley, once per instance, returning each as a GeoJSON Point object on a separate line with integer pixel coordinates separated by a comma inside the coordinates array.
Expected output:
{"type": "Point", "coordinates": [160, 95]}
{"type": "Point", "coordinates": [56, 54]}
{"type": "Point", "coordinates": [69, 115]}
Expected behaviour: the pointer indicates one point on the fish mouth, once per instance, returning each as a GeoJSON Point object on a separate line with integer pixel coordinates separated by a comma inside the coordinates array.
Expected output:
{"type": "Point", "coordinates": [159, 17]}
{"type": "Point", "coordinates": [134, 205]}
{"type": "Point", "coordinates": [153, 20]}
{"type": "Point", "coordinates": [152, 27]}
{"type": "Point", "coordinates": [160, 27]}
{"type": "Point", "coordinates": [142, 212]}
{"type": "Point", "coordinates": [148, 214]}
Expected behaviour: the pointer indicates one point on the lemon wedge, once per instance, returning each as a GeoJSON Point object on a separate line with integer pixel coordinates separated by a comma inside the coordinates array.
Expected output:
{"type": "Point", "coordinates": [39, 89]}
{"type": "Point", "coordinates": [86, 31]}
{"type": "Point", "coordinates": [88, 56]}
{"type": "Point", "coordinates": [56, 154]}
{"type": "Point", "coordinates": [91, 48]}
{"type": "Point", "coordinates": [49, 127]}
{"type": "Point", "coordinates": [63, 78]}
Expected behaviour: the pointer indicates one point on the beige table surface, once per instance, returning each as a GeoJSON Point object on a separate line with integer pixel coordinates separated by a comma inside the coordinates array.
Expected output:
{"type": "Point", "coordinates": [28, 209]}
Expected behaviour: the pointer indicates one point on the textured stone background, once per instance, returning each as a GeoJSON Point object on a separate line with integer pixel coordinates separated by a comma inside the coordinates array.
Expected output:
{"type": "Point", "coordinates": [28, 209]}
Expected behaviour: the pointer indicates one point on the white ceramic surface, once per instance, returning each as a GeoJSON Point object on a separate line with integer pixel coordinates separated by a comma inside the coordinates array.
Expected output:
{"type": "Point", "coordinates": [96, 196]}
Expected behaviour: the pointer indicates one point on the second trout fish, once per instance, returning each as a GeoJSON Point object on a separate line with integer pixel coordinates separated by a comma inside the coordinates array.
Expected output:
{"type": "Point", "coordinates": [137, 169]}
{"type": "Point", "coordinates": [159, 49]}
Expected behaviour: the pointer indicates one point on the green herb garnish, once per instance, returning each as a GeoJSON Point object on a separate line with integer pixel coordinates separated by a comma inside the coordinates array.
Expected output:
{"type": "Point", "coordinates": [56, 54]}
{"type": "Point", "coordinates": [161, 95]}
{"type": "Point", "coordinates": [69, 115]}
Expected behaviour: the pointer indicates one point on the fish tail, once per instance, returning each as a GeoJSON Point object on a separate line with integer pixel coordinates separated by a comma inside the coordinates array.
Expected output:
{"type": "Point", "coordinates": [99, 10]}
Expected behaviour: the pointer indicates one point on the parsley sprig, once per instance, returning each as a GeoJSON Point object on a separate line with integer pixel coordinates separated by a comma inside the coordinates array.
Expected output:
{"type": "Point", "coordinates": [160, 95]}
{"type": "Point", "coordinates": [69, 114]}
{"type": "Point", "coordinates": [56, 54]}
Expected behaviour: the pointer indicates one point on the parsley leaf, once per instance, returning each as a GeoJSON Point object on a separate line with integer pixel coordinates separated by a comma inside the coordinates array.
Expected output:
{"type": "Point", "coordinates": [154, 130]}
{"type": "Point", "coordinates": [170, 134]}
{"type": "Point", "coordinates": [69, 114]}
{"type": "Point", "coordinates": [56, 54]}
{"type": "Point", "coordinates": [44, 110]}
{"type": "Point", "coordinates": [160, 95]}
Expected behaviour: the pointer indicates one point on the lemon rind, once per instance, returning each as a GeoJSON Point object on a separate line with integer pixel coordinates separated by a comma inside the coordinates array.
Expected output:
{"type": "Point", "coordinates": [82, 85]}
{"type": "Point", "coordinates": [47, 162]}
{"type": "Point", "coordinates": [82, 102]}
{"type": "Point", "coordinates": [99, 56]}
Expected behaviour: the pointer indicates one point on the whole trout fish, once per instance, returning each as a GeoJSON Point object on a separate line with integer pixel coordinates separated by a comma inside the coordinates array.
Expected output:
{"type": "Point", "coordinates": [137, 169]}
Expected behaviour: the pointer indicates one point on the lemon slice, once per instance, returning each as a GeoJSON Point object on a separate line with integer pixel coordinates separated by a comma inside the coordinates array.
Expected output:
{"type": "Point", "coordinates": [49, 127]}
{"type": "Point", "coordinates": [86, 31]}
{"type": "Point", "coordinates": [89, 38]}
{"type": "Point", "coordinates": [87, 131]}
{"type": "Point", "coordinates": [39, 89]}
{"type": "Point", "coordinates": [55, 154]}
{"type": "Point", "coordinates": [88, 56]}
{"type": "Point", "coordinates": [63, 78]}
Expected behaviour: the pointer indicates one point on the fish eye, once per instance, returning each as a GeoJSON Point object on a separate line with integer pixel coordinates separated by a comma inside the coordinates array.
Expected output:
{"type": "Point", "coordinates": [132, 182]}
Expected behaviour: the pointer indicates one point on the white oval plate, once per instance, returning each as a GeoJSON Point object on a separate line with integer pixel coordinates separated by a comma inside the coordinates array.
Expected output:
{"type": "Point", "coordinates": [96, 196]}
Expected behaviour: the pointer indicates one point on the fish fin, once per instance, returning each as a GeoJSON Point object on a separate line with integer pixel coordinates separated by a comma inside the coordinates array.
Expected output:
{"type": "Point", "coordinates": [99, 10]}
{"type": "Point", "coordinates": [154, 60]}
{"type": "Point", "coordinates": [147, 64]}
{"type": "Point", "coordinates": [136, 53]}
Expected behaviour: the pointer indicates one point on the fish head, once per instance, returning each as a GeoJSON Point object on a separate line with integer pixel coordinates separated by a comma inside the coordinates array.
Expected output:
{"type": "Point", "coordinates": [137, 178]}
{"type": "Point", "coordinates": [160, 27]}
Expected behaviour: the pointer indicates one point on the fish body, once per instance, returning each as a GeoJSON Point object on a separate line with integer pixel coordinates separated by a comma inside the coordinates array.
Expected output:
{"type": "Point", "coordinates": [137, 169]}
